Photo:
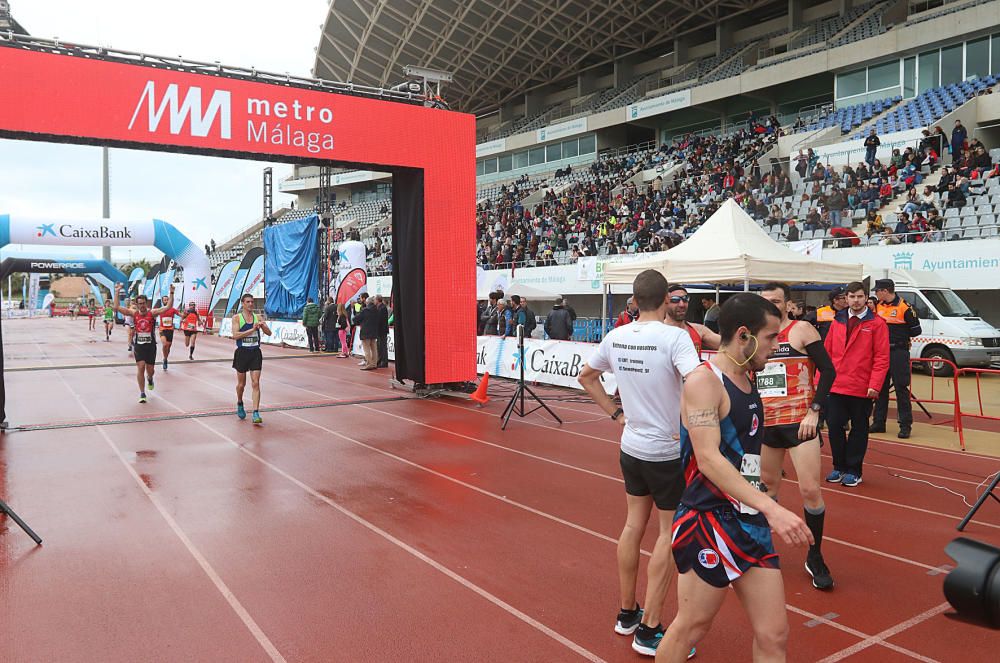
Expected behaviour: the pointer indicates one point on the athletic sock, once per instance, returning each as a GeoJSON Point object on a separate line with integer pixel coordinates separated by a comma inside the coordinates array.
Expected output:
{"type": "Point", "coordinates": [634, 611]}
{"type": "Point", "coordinates": [814, 521]}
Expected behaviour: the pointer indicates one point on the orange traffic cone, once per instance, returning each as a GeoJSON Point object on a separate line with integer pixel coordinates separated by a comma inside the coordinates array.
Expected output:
{"type": "Point", "coordinates": [479, 395]}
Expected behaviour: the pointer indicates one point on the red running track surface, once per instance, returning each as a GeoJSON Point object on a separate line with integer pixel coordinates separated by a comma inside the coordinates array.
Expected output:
{"type": "Point", "coordinates": [405, 530]}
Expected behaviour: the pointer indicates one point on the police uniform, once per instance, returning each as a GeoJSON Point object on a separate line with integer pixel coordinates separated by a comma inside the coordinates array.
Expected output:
{"type": "Point", "coordinates": [903, 325]}
{"type": "Point", "coordinates": [824, 315]}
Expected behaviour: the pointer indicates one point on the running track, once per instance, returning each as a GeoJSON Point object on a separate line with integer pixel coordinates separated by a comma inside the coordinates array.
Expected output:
{"type": "Point", "coordinates": [393, 530]}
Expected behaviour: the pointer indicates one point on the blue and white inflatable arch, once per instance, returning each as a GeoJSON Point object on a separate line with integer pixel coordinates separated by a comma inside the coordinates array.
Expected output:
{"type": "Point", "coordinates": [115, 232]}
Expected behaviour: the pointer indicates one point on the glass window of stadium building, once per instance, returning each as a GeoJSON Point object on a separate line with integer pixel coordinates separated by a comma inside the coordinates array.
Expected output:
{"type": "Point", "coordinates": [912, 75]}
{"type": "Point", "coordinates": [538, 158]}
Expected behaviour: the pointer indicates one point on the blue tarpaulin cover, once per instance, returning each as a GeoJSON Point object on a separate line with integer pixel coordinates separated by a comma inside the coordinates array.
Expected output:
{"type": "Point", "coordinates": [291, 271]}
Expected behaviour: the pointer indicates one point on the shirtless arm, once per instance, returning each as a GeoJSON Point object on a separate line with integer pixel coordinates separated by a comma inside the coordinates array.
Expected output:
{"type": "Point", "coordinates": [116, 306]}
{"type": "Point", "coordinates": [709, 339]}
{"type": "Point", "coordinates": [803, 337]}
{"type": "Point", "coordinates": [701, 404]}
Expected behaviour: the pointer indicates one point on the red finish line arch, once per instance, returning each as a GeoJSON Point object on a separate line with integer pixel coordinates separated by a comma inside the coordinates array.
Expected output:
{"type": "Point", "coordinates": [74, 95]}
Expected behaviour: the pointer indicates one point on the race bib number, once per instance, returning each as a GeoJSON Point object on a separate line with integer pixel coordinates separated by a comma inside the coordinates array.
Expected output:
{"type": "Point", "coordinates": [250, 342]}
{"type": "Point", "coordinates": [750, 469]}
{"type": "Point", "coordinates": [772, 382]}
{"type": "Point", "coordinates": [143, 337]}
{"type": "Point", "coordinates": [167, 323]}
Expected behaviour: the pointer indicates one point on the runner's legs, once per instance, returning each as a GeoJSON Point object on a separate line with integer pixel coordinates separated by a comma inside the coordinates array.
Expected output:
{"type": "Point", "coordinates": [629, 544]}
{"type": "Point", "coordinates": [762, 593]}
{"type": "Point", "coordinates": [697, 604]}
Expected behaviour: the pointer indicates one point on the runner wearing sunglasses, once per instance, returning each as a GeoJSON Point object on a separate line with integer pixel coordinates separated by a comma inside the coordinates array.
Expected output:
{"type": "Point", "coordinates": [677, 308]}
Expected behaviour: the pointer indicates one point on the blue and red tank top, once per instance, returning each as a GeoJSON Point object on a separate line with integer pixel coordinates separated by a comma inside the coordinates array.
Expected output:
{"type": "Point", "coordinates": [742, 432]}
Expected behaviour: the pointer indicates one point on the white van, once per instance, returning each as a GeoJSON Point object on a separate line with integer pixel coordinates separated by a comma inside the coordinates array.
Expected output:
{"type": "Point", "coordinates": [950, 330]}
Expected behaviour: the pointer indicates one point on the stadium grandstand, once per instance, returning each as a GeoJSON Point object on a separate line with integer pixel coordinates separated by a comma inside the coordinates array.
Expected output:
{"type": "Point", "coordinates": [606, 129]}
{"type": "Point", "coordinates": [7, 21]}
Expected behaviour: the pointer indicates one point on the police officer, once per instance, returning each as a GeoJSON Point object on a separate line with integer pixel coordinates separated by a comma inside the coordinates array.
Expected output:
{"type": "Point", "coordinates": [824, 315]}
{"type": "Point", "coordinates": [903, 325]}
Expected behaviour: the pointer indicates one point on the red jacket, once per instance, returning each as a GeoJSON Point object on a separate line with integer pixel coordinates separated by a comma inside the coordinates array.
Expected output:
{"type": "Point", "coordinates": [625, 318]}
{"type": "Point", "coordinates": [862, 362]}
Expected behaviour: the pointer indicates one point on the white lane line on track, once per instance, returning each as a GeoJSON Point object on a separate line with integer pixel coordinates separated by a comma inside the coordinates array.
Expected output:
{"type": "Point", "coordinates": [201, 560]}
{"type": "Point", "coordinates": [616, 479]}
{"type": "Point", "coordinates": [465, 582]}
{"type": "Point", "coordinates": [880, 638]}
{"type": "Point", "coordinates": [800, 611]}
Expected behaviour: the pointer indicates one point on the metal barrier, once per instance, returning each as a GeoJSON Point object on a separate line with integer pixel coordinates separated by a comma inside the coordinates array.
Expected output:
{"type": "Point", "coordinates": [935, 366]}
{"type": "Point", "coordinates": [978, 372]}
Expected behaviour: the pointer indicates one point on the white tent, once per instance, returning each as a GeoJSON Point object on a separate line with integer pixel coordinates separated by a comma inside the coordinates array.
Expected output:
{"type": "Point", "coordinates": [731, 248]}
{"type": "Point", "coordinates": [515, 288]}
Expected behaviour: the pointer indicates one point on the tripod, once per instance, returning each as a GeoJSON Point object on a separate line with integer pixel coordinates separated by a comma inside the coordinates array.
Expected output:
{"type": "Point", "coordinates": [516, 404]}
{"type": "Point", "coordinates": [17, 519]}
{"type": "Point", "coordinates": [979, 502]}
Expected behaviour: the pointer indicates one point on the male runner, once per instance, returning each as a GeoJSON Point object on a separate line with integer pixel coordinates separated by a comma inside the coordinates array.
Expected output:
{"type": "Point", "coordinates": [791, 418]}
{"type": "Point", "coordinates": [92, 316]}
{"type": "Point", "coordinates": [677, 308]}
{"type": "Point", "coordinates": [145, 342]}
{"type": "Point", "coordinates": [128, 321]}
{"type": "Point", "coordinates": [722, 530]}
{"type": "Point", "coordinates": [109, 321]}
{"type": "Point", "coordinates": [166, 320]}
{"type": "Point", "coordinates": [189, 323]}
{"type": "Point", "coordinates": [649, 360]}
{"type": "Point", "coordinates": [248, 358]}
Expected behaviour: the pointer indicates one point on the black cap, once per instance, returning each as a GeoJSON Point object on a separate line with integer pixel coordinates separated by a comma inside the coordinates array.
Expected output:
{"type": "Point", "coordinates": [885, 284]}
{"type": "Point", "coordinates": [837, 291]}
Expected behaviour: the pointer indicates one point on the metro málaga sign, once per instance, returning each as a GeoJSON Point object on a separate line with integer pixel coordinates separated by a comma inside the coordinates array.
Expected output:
{"type": "Point", "coordinates": [80, 96]}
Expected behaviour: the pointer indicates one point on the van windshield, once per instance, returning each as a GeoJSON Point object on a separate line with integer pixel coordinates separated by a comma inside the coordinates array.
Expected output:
{"type": "Point", "coordinates": [947, 303]}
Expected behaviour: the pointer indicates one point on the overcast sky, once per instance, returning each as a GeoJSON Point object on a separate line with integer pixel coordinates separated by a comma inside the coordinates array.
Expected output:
{"type": "Point", "coordinates": [204, 197]}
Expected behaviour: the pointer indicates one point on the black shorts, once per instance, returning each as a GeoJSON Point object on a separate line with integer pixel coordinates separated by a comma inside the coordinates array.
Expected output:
{"type": "Point", "coordinates": [663, 480]}
{"type": "Point", "coordinates": [144, 352]}
{"type": "Point", "coordinates": [247, 359]}
{"type": "Point", "coordinates": [784, 437]}
{"type": "Point", "coordinates": [190, 332]}
{"type": "Point", "coordinates": [168, 335]}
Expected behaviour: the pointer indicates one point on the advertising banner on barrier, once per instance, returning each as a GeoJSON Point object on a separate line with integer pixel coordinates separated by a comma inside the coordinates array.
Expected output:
{"type": "Point", "coordinates": [284, 332]}
{"type": "Point", "coordinates": [548, 362]}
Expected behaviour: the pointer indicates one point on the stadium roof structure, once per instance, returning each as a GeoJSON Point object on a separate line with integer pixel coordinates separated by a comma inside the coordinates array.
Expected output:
{"type": "Point", "coordinates": [499, 49]}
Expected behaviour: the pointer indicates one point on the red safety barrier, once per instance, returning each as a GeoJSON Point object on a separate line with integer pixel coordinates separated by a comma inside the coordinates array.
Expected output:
{"type": "Point", "coordinates": [979, 372]}
{"type": "Point", "coordinates": [935, 366]}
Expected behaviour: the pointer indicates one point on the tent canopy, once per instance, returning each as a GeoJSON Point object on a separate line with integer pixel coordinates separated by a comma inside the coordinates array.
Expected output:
{"type": "Point", "coordinates": [731, 248]}
{"type": "Point", "coordinates": [516, 288]}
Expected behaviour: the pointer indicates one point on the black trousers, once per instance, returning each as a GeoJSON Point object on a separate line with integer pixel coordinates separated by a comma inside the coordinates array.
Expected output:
{"type": "Point", "coordinates": [383, 351]}
{"type": "Point", "coordinates": [313, 334]}
{"type": "Point", "coordinates": [848, 449]}
{"type": "Point", "coordinates": [899, 376]}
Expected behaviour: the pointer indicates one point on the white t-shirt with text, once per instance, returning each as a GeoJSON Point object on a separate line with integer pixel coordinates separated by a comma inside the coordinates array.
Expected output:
{"type": "Point", "coordinates": [649, 360]}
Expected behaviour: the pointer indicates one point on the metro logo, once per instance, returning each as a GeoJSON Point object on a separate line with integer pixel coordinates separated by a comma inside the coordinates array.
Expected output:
{"type": "Point", "coordinates": [201, 122]}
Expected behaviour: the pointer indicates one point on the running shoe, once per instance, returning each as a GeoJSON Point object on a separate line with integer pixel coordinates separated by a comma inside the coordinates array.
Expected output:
{"type": "Point", "coordinates": [256, 417]}
{"type": "Point", "coordinates": [150, 386]}
{"type": "Point", "coordinates": [165, 367]}
{"type": "Point", "coordinates": [647, 639]}
{"type": "Point", "coordinates": [191, 356]}
{"type": "Point", "coordinates": [851, 480]}
{"type": "Point", "coordinates": [816, 567]}
{"type": "Point", "coordinates": [142, 397]}
{"type": "Point", "coordinates": [834, 477]}
{"type": "Point", "coordinates": [628, 621]}
{"type": "Point", "coordinates": [240, 412]}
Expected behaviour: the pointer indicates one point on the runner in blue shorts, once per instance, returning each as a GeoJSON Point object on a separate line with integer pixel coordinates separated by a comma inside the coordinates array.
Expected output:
{"type": "Point", "coordinates": [722, 528]}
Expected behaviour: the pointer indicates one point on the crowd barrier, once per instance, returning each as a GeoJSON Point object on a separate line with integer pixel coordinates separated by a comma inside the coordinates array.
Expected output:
{"type": "Point", "coordinates": [935, 368]}
{"type": "Point", "coordinates": [980, 414]}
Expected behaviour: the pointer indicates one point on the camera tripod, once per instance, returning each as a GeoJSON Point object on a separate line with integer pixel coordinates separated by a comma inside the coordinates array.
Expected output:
{"type": "Point", "coordinates": [17, 519]}
{"type": "Point", "coordinates": [979, 502]}
{"type": "Point", "coordinates": [516, 404]}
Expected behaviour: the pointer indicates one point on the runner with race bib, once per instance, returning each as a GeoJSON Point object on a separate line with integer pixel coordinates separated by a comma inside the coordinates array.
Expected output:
{"type": "Point", "coordinates": [792, 406]}
{"type": "Point", "coordinates": [166, 320]}
{"type": "Point", "coordinates": [144, 340]}
{"type": "Point", "coordinates": [247, 358]}
{"type": "Point", "coordinates": [191, 324]}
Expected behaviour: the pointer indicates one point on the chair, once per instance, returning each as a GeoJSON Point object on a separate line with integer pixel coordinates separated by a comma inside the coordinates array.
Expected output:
{"type": "Point", "coordinates": [970, 220]}
{"type": "Point", "coordinates": [971, 233]}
